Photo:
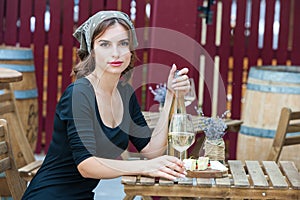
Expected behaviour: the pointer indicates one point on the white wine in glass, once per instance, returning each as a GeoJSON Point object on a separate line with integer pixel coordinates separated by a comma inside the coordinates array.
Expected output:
{"type": "Point", "coordinates": [181, 132]}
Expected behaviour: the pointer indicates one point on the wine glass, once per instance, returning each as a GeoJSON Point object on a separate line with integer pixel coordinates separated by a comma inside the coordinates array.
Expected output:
{"type": "Point", "coordinates": [191, 95]}
{"type": "Point", "coordinates": [181, 132]}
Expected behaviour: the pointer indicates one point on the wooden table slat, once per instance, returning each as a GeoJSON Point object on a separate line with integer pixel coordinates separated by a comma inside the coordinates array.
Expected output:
{"type": "Point", "coordinates": [223, 182]}
{"type": "Point", "coordinates": [275, 175]}
{"type": "Point", "coordinates": [238, 173]}
{"type": "Point", "coordinates": [291, 172]}
{"type": "Point", "coordinates": [131, 180]}
{"type": "Point", "coordinates": [206, 182]}
{"type": "Point", "coordinates": [256, 174]}
{"type": "Point", "coordinates": [147, 180]}
{"type": "Point", "coordinates": [165, 182]}
{"type": "Point", "coordinates": [185, 181]}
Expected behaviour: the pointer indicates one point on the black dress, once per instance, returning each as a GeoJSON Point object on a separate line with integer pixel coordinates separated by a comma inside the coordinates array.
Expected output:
{"type": "Point", "coordinates": [79, 133]}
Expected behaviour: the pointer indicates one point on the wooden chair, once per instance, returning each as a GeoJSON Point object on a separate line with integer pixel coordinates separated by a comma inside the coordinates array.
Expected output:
{"type": "Point", "coordinates": [289, 122]}
{"type": "Point", "coordinates": [21, 149]}
{"type": "Point", "coordinates": [9, 112]}
{"type": "Point", "coordinates": [16, 184]}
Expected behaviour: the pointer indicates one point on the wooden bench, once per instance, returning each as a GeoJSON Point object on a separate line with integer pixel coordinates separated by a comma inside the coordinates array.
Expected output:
{"type": "Point", "coordinates": [252, 180]}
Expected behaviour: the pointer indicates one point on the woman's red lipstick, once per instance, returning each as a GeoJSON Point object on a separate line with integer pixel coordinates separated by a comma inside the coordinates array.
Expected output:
{"type": "Point", "coordinates": [116, 63]}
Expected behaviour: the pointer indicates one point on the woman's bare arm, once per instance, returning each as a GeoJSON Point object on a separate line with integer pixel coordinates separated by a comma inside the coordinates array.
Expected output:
{"type": "Point", "coordinates": [168, 167]}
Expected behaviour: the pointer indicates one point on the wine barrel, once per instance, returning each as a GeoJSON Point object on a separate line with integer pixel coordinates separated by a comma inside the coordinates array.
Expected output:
{"type": "Point", "coordinates": [25, 91]}
{"type": "Point", "coordinates": [269, 88]}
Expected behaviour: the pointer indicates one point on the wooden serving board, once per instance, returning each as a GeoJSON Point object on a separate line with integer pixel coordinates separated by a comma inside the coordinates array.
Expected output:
{"type": "Point", "coordinates": [208, 173]}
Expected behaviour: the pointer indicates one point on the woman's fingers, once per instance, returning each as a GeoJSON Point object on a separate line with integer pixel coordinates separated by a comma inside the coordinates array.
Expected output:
{"type": "Point", "coordinates": [183, 71]}
{"type": "Point", "coordinates": [172, 173]}
{"type": "Point", "coordinates": [176, 165]}
{"type": "Point", "coordinates": [182, 85]}
{"type": "Point", "coordinates": [161, 174]}
{"type": "Point", "coordinates": [168, 167]}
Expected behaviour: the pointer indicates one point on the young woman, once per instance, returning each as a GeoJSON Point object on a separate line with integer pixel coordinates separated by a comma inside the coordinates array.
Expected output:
{"type": "Point", "coordinates": [99, 114]}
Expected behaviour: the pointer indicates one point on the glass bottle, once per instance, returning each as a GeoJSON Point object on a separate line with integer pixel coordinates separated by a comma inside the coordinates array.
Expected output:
{"type": "Point", "coordinates": [178, 106]}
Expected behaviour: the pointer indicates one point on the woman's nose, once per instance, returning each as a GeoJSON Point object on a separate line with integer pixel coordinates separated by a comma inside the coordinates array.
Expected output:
{"type": "Point", "coordinates": [115, 51]}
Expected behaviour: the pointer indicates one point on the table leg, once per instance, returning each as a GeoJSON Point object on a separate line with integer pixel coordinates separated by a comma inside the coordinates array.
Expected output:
{"type": "Point", "coordinates": [129, 197]}
{"type": "Point", "coordinates": [146, 198]}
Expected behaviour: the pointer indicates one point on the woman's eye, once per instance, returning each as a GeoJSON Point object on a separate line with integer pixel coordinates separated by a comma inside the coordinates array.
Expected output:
{"type": "Point", "coordinates": [125, 43]}
{"type": "Point", "coordinates": [104, 44]}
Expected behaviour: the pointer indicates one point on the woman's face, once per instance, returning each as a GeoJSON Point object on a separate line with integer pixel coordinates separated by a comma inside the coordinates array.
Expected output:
{"type": "Point", "coordinates": [112, 53]}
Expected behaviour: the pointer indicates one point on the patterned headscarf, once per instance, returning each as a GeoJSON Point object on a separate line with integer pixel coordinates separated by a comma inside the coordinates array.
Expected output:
{"type": "Point", "coordinates": [85, 32]}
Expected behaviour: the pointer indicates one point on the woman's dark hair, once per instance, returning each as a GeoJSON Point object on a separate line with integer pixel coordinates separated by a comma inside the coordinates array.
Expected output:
{"type": "Point", "coordinates": [87, 61]}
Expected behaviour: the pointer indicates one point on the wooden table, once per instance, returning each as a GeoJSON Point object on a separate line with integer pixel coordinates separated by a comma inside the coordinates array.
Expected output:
{"type": "Point", "coordinates": [252, 180]}
{"type": "Point", "coordinates": [9, 75]}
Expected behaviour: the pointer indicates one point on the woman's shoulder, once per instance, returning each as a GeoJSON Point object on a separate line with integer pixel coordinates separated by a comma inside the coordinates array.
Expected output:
{"type": "Point", "coordinates": [81, 84]}
{"type": "Point", "coordinates": [79, 87]}
{"type": "Point", "coordinates": [79, 91]}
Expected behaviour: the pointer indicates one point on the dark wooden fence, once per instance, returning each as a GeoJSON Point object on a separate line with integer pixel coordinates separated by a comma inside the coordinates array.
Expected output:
{"type": "Point", "coordinates": [219, 54]}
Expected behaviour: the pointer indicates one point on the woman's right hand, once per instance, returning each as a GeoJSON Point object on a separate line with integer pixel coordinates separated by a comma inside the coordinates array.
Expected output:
{"type": "Point", "coordinates": [180, 83]}
{"type": "Point", "coordinates": [168, 167]}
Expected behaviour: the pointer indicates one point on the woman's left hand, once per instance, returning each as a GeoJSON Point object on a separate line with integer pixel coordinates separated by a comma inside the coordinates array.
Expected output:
{"type": "Point", "coordinates": [179, 82]}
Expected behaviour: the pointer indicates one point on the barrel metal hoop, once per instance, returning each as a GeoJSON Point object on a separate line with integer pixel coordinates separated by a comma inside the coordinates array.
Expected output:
{"type": "Point", "coordinates": [26, 94]}
{"type": "Point", "coordinates": [263, 133]}
{"type": "Point", "coordinates": [20, 68]}
{"type": "Point", "coordinates": [16, 54]}
{"type": "Point", "coordinates": [280, 76]}
{"type": "Point", "coordinates": [273, 89]}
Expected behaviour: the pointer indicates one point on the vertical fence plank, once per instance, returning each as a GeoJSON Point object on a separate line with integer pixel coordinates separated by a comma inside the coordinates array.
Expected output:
{"type": "Point", "coordinates": [238, 55]}
{"type": "Point", "coordinates": [252, 40]}
{"type": "Point", "coordinates": [210, 47]}
{"type": "Point", "coordinates": [53, 43]}
{"type": "Point", "coordinates": [25, 14]}
{"type": "Point", "coordinates": [83, 15]}
{"type": "Point", "coordinates": [67, 42]}
{"type": "Point", "coordinates": [11, 30]}
{"type": "Point", "coordinates": [39, 44]}
{"type": "Point", "coordinates": [2, 30]}
{"type": "Point", "coordinates": [125, 6]}
{"type": "Point", "coordinates": [198, 76]}
{"type": "Point", "coordinates": [111, 4]}
{"type": "Point", "coordinates": [97, 5]}
{"type": "Point", "coordinates": [170, 45]}
{"type": "Point", "coordinates": [267, 51]}
{"type": "Point", "coordinates": [138, 78]}
{"type": "Point", "coordinates": [282, 51]}
{"type": "Point", "coordinates": [225, 53]}
{"type": "Point", "coordinates": [84, 11]}
{"type": "Point", "coordinates": [295, 54]}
